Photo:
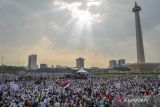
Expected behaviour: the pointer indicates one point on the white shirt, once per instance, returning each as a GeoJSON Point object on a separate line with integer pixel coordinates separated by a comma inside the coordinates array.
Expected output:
{"type": "Point", "coordinates": [57, 104]}
{"type": "Point", "coordinates": [42, 104]}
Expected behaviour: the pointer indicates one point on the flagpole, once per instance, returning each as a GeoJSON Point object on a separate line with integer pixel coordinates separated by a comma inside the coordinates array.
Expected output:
{"type": "Point", "coordinates": [2, 65]}
{"type": "Point", "coordinates": [126, 74]}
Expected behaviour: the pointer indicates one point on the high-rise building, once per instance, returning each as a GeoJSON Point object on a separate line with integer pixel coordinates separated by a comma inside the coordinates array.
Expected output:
{"type": "Point", "coordinates": [43, 66]}
{"type": "Point", "coordinates": [112, 63]}
{"type": "Point", "coordinates": [79, 63]}
{"type": "Point", "coordinates": [32, 62]}
{"type": "Point", "coordinates": [121, 62]}
{"type": "Point", "coordinates": [139, 39]}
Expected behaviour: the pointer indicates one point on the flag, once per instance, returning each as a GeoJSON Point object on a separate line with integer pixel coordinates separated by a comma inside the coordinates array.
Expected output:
{"type": "Point", "coordinates": [14, 86]}
{"type": "Point", "coordinates": [119, 100]}
{"type": "Point", "coordinates": [65, 84]}
{"type": "Point", "coordinates": [118, 85]}
{"type": "Point", "coordinates": [109, 97]}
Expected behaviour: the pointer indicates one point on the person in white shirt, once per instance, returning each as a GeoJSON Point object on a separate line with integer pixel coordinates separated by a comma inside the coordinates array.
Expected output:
{"type": "Point", "coordinates": [42, 104]}
{"type": "Point", "coordinates": [57, 104]}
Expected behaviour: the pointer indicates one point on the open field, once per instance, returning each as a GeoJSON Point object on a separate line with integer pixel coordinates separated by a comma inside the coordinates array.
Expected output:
{"type": "Point", "coordinates": [129, 75]}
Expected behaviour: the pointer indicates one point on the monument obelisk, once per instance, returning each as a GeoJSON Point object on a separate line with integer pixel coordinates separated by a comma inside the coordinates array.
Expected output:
{"type": "Point", "coordinates": [139, 39]}
{"type": "Point", "coordinates": [141, 65]}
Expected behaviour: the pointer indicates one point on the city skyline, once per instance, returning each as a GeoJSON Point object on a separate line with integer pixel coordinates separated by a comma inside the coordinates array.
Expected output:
{"type": "Point", "coordinates": [60, 31]}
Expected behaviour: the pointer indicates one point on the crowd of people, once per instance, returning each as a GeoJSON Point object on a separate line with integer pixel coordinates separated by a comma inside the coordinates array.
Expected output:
{"type": "Point", "coordinates": [20, 91]}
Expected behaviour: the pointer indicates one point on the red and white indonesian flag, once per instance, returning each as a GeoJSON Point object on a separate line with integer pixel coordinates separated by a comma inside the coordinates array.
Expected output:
{"type": "Point", "coordinates": [65, 84]}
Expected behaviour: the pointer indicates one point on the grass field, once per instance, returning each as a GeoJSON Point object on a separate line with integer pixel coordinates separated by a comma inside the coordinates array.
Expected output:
{"type": "Point", "coordinates": [129, 75]}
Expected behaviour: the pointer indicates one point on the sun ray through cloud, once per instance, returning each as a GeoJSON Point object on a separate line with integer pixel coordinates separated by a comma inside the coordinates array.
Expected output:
{"type": "Point", "coordinates": [82, 18]}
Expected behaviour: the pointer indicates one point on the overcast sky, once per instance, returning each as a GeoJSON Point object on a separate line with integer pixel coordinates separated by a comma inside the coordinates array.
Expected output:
{"type": "Point", "coordinates": [59, 31]}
